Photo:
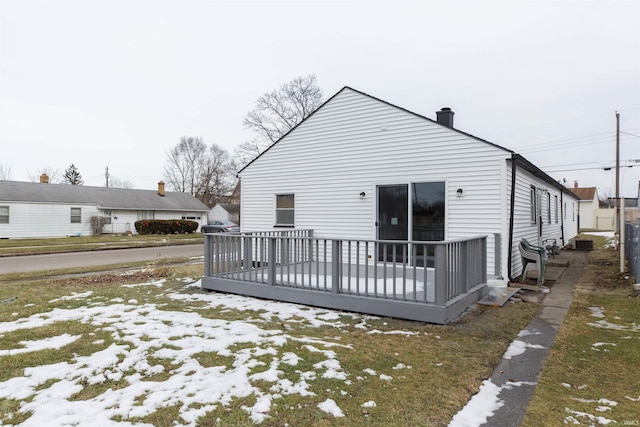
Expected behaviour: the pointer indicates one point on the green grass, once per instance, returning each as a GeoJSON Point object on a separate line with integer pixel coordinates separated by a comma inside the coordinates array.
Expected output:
{"type": "Point", "coordinates": [447, 363]}
{"type": "Point", "coordinates": [578, 372]}
{"type": "Point", "coordinates": [88, 243]}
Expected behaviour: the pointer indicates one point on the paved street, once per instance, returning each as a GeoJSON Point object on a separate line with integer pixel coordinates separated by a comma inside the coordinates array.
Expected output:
{"type": "Point", "coordinates": [17, 264]}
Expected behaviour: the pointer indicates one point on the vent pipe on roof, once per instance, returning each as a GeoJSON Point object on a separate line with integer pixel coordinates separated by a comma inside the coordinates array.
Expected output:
{"type": "Point", "coordinates": [445, 117]}
{"type": "Point", "coordinates": [161, 188]}
{"type": "Point", "coordinates": [575, 184]}
{"type": "Point", "coordinates": [44, 178]}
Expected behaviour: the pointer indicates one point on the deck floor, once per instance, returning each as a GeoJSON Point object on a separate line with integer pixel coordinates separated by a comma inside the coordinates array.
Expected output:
{"type": "Point", "coordinates": [375, 281]}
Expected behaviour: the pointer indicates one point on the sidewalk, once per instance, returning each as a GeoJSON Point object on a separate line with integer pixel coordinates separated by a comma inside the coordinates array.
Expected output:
{"type": "Point", "coordinates": [506, 394]}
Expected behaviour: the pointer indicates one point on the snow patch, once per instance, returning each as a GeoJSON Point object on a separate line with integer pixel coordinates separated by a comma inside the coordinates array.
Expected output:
{"type": "Point", "coordinates": [517, 348]}
{"type": "Point", "coordinates": [45, 343]}
{"type": "Point", "coordinates": [481, 406]}
{"type": "Point", "coordinates": [330, 407]}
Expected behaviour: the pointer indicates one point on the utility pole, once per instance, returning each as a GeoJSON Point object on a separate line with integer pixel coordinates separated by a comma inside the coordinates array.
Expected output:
{"type": "Point", "coordinates": [618, 177]}
{"type": "Point", "coordinates": [106, 176]}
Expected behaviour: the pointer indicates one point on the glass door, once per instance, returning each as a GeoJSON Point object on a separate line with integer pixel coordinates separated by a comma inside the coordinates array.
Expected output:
{"type": "Point", "coordinates": [428, 218]}
{"type": "Point", "coordinates": [393, 219]}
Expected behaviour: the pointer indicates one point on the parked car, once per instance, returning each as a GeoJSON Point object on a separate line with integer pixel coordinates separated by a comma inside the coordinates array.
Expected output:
{"type": "Point", "coordinates": [220, 227]}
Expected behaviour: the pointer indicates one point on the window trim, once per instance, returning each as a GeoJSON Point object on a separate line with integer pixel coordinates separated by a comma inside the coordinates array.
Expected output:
{"type": "Point", "coordinates": [533, 217]}
{"type": "Point", "coordinates": [281, 209]}
{"type": "Point", "coordinates": [556, 208]}
{"type": "Point", "coordinates": [77, 218]}
{"type": "Point", "coordinates": [5, 219]}
{"type": "Point", "coordinates": [548, 208]}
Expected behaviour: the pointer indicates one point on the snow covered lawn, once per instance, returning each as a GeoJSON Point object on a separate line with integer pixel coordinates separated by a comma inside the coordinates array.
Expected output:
{"type": "Point", "coordinates": [165, 352]}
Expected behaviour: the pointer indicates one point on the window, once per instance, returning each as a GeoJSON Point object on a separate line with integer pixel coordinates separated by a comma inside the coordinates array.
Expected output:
{"type": "Point", "coordinates": [555, 206]}
{"type": "Point", "coordinates": [285, 210]}
{"type": "Point", "coordinates": [4, 214]}
{"type": "Point", "coordinates": [549, 208]}
{"type": "Point", "coordinates": [76, 216]}
{"type": "Point", "coordinates": [534, 207]}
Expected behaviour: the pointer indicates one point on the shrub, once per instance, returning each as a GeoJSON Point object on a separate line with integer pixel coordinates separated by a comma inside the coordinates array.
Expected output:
{"type": "Point", "coordinates": [165, 226]}
{"type": "Point", "coordinates": [97, 223]}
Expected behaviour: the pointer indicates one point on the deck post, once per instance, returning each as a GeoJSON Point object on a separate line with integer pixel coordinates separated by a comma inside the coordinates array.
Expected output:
{"type": "Point", "coordinates": [483, 251]}
{"type": "Point", "coordinates": [441, 267]}
{"type": "Point", "coordinates": [310, 234]}
{"type": "Point", "coordinates": [465, 271]}
{"type": "Point", "coordinates": [336, 264]}
{"type": "Point", "coordinates": [247, 262]}
{"type": "Point", "coordinates": [208, 255]}
{"type": "Point", "coordinates": [271, 260]}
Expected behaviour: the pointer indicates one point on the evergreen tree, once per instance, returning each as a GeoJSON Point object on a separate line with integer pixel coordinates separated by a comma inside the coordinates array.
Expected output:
{"type": "Point", "coordinates": [72, 176]}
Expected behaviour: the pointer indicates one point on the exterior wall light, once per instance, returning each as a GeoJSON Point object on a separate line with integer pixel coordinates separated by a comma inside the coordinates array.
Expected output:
{"type": "Point", "coordinates": [459, 192]}
{"type": "Point", "coordinates": [362, 195]}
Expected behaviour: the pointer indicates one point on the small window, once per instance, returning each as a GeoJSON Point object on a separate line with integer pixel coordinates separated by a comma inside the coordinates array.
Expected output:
{"type": "Point", "coordinates": [534, 207]}
{"type": "Point", "coordinates": [4, 214]}
{"type": "Point", "coordinates": [285, 210]}
{"type": "Point", "coordinates": [76, 215]}
{"type": "Point", "coordinates": [555, 206]}
{"type": "Point", "coordinates": [549, 208]}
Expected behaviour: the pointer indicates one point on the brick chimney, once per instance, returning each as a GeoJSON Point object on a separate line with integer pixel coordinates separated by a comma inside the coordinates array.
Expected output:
{"type": "Point", "coordinates": [44, 178]}
{"type": "Point", "coordinates": [445, 117]}
{"type": "Point", "coordinates": [161, 188]}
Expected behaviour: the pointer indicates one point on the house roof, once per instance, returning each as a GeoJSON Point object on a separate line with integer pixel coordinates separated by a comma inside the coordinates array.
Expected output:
{"type": "Point", "coordinates": [584, 193]}
{"type": "Point", "coordinates": [104, 198]}
{"type": "Point", "coordinates": [522, 162]}
{"type": "Point", "coordinates": [230, 207]}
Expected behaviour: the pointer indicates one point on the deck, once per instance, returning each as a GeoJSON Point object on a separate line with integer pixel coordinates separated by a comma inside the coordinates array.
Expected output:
{"type": "Point", "coordinates": [424, 281]}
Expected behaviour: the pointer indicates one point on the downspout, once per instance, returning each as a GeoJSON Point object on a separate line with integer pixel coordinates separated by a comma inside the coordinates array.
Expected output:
{"type": "Point", "coordinates": [512, 202]}
{"type": "Point", "coordinates": [562, 217]}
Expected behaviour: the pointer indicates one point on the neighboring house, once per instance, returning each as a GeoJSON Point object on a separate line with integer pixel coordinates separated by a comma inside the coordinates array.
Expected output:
{"type": "Point", "coordinates": [588, 208]}
{"type": "Point", "coordinates": [225, 212]}
{"type": "Point", "coordinates": [51, 210]}
{"type": "Point", "coordinates": [362, 168]}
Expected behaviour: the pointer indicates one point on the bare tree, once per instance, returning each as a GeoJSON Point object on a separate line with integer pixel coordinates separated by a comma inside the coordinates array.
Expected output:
{"type": "Point", "coordinates": [5, 172]}
{"type": "Point", "coordinates": [217, 178]}
{"type": "Point", "coordinates": [119, 183]}
{"type": "Point", "coordinates": [246, 152]}
{"type": "Point", "coordinates": [279, 111]}
{"type": "Point", "coordinates": [55, 176]}
{"type": "Point", "coordinates": [185, 165]}
{"type": "Point", "coordinates": [204, 172]}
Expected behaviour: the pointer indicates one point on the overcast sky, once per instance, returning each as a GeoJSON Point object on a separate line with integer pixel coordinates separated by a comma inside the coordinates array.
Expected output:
{"type": "Point", "coordinates": [117, 83]}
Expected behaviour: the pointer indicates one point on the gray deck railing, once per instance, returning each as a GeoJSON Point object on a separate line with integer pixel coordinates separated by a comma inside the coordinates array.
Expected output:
{"type": "Point", "coordinates": [281, 265]}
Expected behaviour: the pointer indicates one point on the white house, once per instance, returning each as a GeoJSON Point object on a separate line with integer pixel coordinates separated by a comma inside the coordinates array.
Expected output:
{"type": "Point", "coordinates": [225, 212]}
{"type": "Point", "coordinates": [30, 209]}
{"type": "Point", "coordinates": [592, 216]}
{"type": "Point", "coordinates": [362, 168]}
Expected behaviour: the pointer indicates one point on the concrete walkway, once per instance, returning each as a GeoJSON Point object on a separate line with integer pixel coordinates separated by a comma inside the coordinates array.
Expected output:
{"type": "Point", "coordinates": [518, 375]}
